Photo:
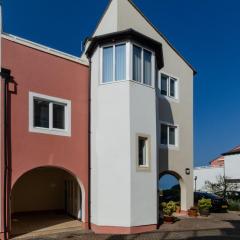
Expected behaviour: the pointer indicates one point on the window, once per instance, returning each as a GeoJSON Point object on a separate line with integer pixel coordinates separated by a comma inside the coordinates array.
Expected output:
{"type": "Point", "coordinates": [147, 67]}
{"type": "Point", "coordinates": [120, 61]}
{"type": "Point", "coordinates": [143, 154]}
{"type": "Point", "coordinates": [49, 114]}
{"type": "Point", "coordinates": [168, 86]}
{"type": "Point", "coordinates": [114, 63]}
{"type": "Point", "coordinates": [142, 151]}
{"type": "Point", "coordinates": [142, 65]}
{"type": "Point", "coordinates": [168, 135]}
{"type": "Point", "coordinates": [107, 64]}
{"type": "Point", "coordinates": [137, 65]}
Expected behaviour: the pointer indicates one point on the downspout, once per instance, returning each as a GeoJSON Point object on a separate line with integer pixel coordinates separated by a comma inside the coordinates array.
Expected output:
{"type": "Point", "coordinates": [89, 144]}
{"type": "Point", "coordinates": [5, 73]}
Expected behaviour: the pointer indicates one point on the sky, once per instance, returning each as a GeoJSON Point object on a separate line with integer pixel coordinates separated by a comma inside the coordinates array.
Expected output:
{"type": "Point", "coordinates": [205, 32]}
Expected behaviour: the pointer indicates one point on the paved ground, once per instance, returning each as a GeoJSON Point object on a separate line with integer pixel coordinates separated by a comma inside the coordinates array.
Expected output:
{"type": "Point", "coordinates": [219, 226]}
{"type": "Point", "coordinates": [35, 224]}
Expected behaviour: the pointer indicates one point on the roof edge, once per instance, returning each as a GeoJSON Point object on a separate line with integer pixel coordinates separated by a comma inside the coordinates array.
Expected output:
{"type": "Point", "coordinates": [162, 35]}
{"type": "Point", "coordinates": [43, 48]}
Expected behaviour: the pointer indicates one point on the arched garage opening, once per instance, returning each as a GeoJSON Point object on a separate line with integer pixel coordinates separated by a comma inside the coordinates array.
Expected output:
{"type": "Point", "coordinates": [171, 187]}
{"type": "Point", "coordinates": [46, 198]}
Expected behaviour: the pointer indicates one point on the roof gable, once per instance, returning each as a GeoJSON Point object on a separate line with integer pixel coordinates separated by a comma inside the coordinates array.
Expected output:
{"type": "Point", "coordinates": [121, 15]}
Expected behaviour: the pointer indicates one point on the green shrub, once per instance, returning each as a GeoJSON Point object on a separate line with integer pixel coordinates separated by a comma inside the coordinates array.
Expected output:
{"type": "Point", "coordinates": [205, 204]}
{"type": "Point", "coordinates": [234, 205]}
{"type": "Point", "coordinates": [169, 208]}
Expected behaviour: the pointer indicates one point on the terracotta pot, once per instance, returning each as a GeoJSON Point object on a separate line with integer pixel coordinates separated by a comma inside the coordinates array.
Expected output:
{"type": "Point", "coordinates": [192, 213]}
{"type": "Point", "coordinates": [168, 219]}
{"type": "Point", "coordinates": [178, 209]}
{"type": "Point", "coordinates": [204, 212]}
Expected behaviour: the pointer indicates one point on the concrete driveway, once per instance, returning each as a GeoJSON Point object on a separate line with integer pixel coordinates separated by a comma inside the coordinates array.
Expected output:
{"type": "Point", "coordinates": [218, 226]}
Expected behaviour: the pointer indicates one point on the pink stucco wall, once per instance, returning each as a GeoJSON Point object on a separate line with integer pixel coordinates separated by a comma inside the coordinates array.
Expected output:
{"type": "Point", "coordinates": [43, 73]}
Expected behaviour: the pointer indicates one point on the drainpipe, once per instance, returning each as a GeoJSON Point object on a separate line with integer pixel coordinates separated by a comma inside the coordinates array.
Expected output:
{"type": "Point", "coordinates": [5, 74]}
{"type": "Point", "coordinates": [89, 144]}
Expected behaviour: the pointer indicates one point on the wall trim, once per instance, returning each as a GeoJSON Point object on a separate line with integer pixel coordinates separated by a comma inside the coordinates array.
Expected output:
{"type": "Point", "coordinates": [123, 230]}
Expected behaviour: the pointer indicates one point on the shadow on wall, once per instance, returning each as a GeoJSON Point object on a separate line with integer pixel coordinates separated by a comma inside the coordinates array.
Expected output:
{"type": "Point", "coordinates": [164, 114]}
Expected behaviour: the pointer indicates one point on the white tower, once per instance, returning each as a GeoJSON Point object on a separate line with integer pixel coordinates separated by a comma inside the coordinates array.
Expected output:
{"type": "Point", "coordinates": [123, 126]}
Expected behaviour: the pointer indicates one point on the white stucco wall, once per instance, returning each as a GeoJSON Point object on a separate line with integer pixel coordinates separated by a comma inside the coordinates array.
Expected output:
{"type": "Point", "coordinates": [232, 166]}
{"type": "Point", "coordinates": [143, 182]}
{"type": "Point", "coordinates": [110, 151]}
{"type": "Point", "coordinates": [207, 174]}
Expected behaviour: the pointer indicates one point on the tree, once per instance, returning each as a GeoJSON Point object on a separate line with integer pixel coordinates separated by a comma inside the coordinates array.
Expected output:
{"type": "Point", "coordinates": [221, 186]}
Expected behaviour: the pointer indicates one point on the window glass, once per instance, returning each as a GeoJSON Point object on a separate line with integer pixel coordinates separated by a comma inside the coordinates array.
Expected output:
{"type": "Point", "coordinates": [137, 66]}
{"type": "Point", "coordinates": [107, 64]}
{"type": "Point", "coordinates": [164, 84]}
{"type": "Point", "coordinates": [142, 151]}
{"type": "Point", "coordinates": [120, 62]}
{"type": "Point", "coordinates": [58, 116]}
{"type": "Point", "coordinates": [41, 113]}
{"type": "Point", "coordinates": [172, 135]}
{"type": "Point", "coordinates": [172, 87]}
{"type": "Point", "coordinates": [164, 134]}
{"type": "Point", "coordinates": [147, 67]}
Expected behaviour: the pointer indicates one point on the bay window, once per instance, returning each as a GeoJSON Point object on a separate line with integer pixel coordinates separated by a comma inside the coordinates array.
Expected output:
{"type": "Point", "coordinates": [127, 61]}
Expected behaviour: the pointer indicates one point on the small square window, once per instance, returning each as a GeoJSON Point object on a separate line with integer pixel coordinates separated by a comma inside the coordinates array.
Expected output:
{"type": "Point", "coordinates": [168, 86]}
{"type": "Point", "coordinates": [168, 135]}
{"type": "Point", "coordinates": [49, 115]}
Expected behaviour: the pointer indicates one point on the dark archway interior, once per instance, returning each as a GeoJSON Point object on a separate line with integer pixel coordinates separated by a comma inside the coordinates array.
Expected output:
{"type": "Point", "coordinates": [44, 197]}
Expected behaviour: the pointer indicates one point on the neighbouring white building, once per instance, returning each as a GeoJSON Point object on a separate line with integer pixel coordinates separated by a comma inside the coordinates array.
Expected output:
{"type": "Point", "coordinates": [228, 165]}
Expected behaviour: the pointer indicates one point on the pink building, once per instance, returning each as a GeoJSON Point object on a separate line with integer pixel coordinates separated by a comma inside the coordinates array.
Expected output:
{"type": "Point", "coordinates": [37, 150]}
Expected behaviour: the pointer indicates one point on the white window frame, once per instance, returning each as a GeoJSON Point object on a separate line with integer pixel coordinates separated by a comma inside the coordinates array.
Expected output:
{"type": "Point", "coordinates": [114, 60]}
{"type": "Point", "coordinates": [129, 63]}
{"type": "Point", "coordinates": [169, 76]}
{"type": "Point", "coordinates": [170, 146]}
{"type": "Point", "coordinates": [51, 100]}
{"type": "Point", "coordinates": [142, 71]}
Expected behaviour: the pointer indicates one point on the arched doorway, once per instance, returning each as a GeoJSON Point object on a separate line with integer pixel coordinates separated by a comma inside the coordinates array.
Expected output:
{"type": "Point", "coordinates": [45, 198]}
{"type": "Point", "coordinates": [171, 188]}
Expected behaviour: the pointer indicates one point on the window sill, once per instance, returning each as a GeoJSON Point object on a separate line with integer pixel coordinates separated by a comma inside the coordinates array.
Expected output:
{"type": "Point", "coordinates": [143, 168]}
{"type": "Point", "coordinates": [122, 81]}
{"type": "Point", "coordinates": [169, 147]}
{"type": "Point", "coordinates": [56, 132]}
{"type": "Point", "coordinates": [168, 98]}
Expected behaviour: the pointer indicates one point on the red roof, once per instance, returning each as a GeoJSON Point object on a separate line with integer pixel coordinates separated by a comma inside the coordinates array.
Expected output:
{"type": "Point", "coordinates": [235, 150]}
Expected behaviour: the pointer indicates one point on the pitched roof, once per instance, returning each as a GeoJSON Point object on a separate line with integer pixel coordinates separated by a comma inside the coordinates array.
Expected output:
{"type": "Point", "coordinates": [233, 151]}
{"type": "Point", "coordinates": [150, 23]}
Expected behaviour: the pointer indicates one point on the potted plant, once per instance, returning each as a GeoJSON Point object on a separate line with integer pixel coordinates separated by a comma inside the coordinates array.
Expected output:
{"type": "Point", "coordinates": [193, 212]}
{"type": "Point", "coordinates": [204, 206]}
{"type": "Point", "coordinates": [168, 209]}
